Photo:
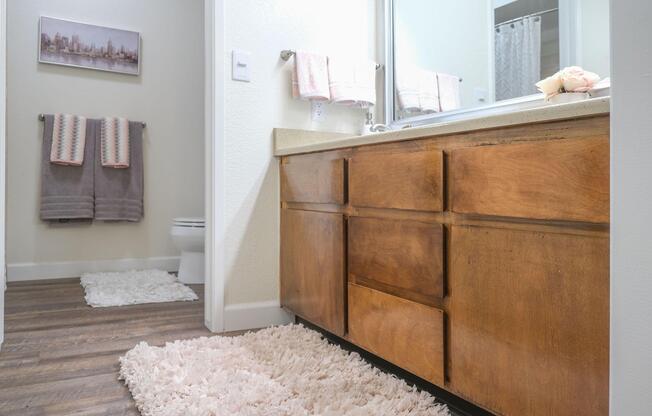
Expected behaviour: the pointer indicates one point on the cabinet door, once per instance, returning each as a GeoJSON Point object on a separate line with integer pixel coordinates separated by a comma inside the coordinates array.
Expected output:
{"type": "Point", "coordinates": [529, 321]}
{"type": "Point", "coordinates": [312, 267]}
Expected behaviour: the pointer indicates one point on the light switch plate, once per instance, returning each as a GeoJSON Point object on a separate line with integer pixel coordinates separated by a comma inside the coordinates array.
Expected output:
{"type": "Point", "coordinates": [240, 65]}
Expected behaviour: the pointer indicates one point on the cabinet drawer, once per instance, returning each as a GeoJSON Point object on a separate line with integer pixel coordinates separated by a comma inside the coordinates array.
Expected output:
{"type": "Point", "coordinates": [398, 256]}
{"type": "Point", "coordinates": [552, 180]}
{"type": "Point", "coordinates": [411, 181]}
{"type": "Point", "coordinates": [408, 334]}
{"type": "Point", "coordinates": [312, 267]}
{"type": "Point", "coordinates": [313, 180]}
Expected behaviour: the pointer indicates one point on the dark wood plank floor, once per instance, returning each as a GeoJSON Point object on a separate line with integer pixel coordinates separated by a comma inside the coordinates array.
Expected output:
{"type": "Point", "coordinates": [60, 356]}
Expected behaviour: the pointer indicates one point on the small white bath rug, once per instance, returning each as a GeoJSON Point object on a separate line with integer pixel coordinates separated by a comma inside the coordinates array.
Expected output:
{"type": "Point", "coordinates": [279, 371]}
{"type": "Point", "coordinates": [133, 287]}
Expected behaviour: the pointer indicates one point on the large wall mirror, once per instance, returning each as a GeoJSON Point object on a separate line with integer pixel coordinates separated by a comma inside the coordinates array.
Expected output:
{"type": "Point", "coordinates": [449, 59]}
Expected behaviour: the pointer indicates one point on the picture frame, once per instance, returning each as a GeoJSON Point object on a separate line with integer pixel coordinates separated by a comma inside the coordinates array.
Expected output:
{"type": "Point", "coordinates": [84, 45]}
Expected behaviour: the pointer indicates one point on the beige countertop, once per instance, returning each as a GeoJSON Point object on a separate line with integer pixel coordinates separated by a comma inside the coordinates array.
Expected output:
{"type": "Point", "coordinates": [292, 141]}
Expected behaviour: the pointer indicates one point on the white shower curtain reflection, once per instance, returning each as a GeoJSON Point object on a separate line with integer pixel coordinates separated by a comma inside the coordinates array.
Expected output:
{"type": "Point", "coordinates": [518, 58]}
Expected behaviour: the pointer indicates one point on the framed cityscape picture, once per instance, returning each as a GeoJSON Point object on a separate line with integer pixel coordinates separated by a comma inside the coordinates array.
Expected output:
{"type": "Point", "coordinates": [64, 42]}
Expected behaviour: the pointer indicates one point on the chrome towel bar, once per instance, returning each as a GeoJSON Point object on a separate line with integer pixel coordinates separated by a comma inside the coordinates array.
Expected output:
{"type": "Point", "coordinates": [42, 117]}
{"type": "Point", "coordinates": [286, 54]}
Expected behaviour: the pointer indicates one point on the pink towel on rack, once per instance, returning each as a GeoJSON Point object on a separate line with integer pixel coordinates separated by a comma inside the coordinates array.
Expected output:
{"type": "Point", "coordinates": [114, 142]}
{"type": "Point", "coordinates": [310, 77]}
{"type": "Point", "coordinates": [351, 82]}
{"type": "Point", "coordinates": [449, 91]}
{"type": "Point", "coordinates": [68, 140]}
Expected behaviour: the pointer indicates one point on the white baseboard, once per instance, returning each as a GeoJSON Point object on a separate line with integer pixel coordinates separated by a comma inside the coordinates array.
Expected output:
{"type": "Point", "coordinates": [243, 316]}
{"type": "Point", "coordinates": [17, 272]}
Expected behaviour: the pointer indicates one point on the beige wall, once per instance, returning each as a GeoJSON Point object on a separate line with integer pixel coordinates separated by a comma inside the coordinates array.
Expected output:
{"type": "Point", "coordinates": [168, 95]}
{"type": "Point", "coordinates": [253, 109]}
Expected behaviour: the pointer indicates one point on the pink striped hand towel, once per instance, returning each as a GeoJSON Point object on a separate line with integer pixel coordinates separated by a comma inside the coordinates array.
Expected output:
{"type": "Point", "coordinates": [68, 140]}
{"type": "Point", "coordinates": [114, 142]}
{"type": "Point", "coordinates": [310, 77]}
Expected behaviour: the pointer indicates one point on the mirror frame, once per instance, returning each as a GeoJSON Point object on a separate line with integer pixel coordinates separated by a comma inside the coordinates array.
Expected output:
{"type": "Point", "coordinates": [568, 14]}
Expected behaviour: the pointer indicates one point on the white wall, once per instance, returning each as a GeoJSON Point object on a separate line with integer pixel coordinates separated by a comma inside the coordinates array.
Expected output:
{"type": "Point", "coordinates": [450, 37]}
{"type": "Point", "coordinates": [631, 208]}
{"type": "Point", "coordinates": [594, 34]}
{"type": "Point", "coordinates": [253, 109]}
{"type": "Point", "coordinates": [168, 95]}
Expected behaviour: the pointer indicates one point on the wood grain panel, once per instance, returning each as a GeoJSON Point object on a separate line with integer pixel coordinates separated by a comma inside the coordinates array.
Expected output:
{"type": "Point", "coordinates": [313, 180]}
{"type": "Point", "coordinates": [405, 257]}
{"type": "Point", "coordinates": [406, 180]}
{"type": "Point", "coordinates": [556, 180]}
{"type": "Point", "coordinates": [312, 267]}
{"type": "Point", "coordinates": [405, 333]}
{"type": "Point", "coordinates": [529, 321]}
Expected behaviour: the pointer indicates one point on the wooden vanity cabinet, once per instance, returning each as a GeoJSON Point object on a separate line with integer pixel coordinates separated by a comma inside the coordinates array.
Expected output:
{"type": "Point", "coordinates": [478, 261]}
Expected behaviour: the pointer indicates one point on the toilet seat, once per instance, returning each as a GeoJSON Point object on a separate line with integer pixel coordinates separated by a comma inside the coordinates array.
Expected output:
{"type": "Point", "coordinates": [189, 225]}
{"type": "Point", "coordinates": [189, 222]}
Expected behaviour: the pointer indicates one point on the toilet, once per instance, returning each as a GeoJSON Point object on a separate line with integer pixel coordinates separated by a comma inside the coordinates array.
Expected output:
{"type": "Point", "coordinates": [188, 236]}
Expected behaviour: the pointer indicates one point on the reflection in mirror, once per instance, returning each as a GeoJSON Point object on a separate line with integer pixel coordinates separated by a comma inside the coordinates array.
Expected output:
{"type": "Point", "coordinates": [526, 46]}
{"type": "Point", "coordinates": [451, 56]}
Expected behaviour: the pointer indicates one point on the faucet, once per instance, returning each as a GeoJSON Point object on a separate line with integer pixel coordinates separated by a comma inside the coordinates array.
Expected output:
{"type": "Point", "coordinates": [377, 128]}
{"type": "Point", "coordinates": [369, 127]}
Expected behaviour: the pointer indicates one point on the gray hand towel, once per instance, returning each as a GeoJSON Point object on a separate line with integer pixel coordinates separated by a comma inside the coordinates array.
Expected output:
{"type": "Point", "coordinates": [66, 191]}
{"type": "Point", "coordinates": [119, 192]}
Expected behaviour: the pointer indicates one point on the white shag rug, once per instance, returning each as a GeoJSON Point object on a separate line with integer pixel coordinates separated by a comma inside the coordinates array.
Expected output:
{"type": "Point", "coordinates": [133, 287]}
{"type": "Point", "coordinates": [279, 371]}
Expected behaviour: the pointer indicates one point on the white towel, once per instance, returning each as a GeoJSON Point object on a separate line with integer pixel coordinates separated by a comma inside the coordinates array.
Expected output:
{"type": "Point", "coordinates": [449, 91]}
{"type": "Point", "coordinates": [407, 88]}
{"type": "Point", "coordinates": [310, 77]}
{"type": "Point", "coordinates": [365, 81]}
{"type": "Point", "coordinates": [351, 82]}
{"type": "Point", "coordinates": [428, 92]}
{"type": "Point", "coordinates": [341, 80]}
